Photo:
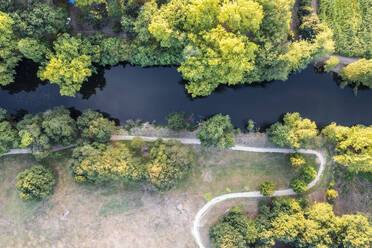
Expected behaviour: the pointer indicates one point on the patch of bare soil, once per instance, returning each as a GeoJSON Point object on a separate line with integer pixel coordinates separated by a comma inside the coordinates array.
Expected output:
{"type": "Point", "coordinates": [354, 195]}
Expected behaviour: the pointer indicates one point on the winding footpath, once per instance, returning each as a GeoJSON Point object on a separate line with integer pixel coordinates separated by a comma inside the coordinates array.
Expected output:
{"type": "Point", "coordinates": [202, 212]}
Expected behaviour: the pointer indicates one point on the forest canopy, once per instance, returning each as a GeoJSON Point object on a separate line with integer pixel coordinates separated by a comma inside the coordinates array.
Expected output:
{"type": "Point", "coordinates": [213, 42]}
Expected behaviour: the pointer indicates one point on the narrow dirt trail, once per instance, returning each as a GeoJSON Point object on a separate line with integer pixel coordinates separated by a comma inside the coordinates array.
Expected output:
{"type": "Point", "coordinates": [202, 212]}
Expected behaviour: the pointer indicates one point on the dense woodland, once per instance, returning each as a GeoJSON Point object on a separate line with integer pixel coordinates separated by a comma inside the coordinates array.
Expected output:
{"type": "Point", "coordinates": [214, 42]}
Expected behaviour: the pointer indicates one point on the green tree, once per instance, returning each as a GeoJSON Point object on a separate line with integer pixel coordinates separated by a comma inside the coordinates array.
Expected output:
{"type": "Point", "coordinates": [170, 163]}
{"type": "Point", "coordinates": [295, 131]}
{"type": "Point", "coordinates": [267, 188]}
{"type": "Point", "coordinates": [297, 160]}
{"type": "Point", "coordinates": [177, 121]}
{"type": "Point", "coordinates": [331, 63]}
{"type": "Point", "coordinates": [59, 126]}
{"type": "Point", "coordinates": [241, 16]}
{"type": "Point", "coordinates": [353, 146]}
{"type": "Point", "coordinates": [8, 137]}
{"type": "Point", "coordinates": [84, 3]}
{"type": "Point", "coordinates": [136, 145]}
{"type": "Point", "coordinates": [359, 72]}
{"type": "Point", "coordinates": [94, 127]}
{"type": "Point", "coordinates": [8, 54]}
{"type": "Point", "coordinates": [38, 20]}
{"type": "Point", "coordinates": [35, 183]}
{"type": "Point", "coordinates": [115, 164]}
{"type": "Point", "coordinates": [71, 63]}
{"type": "Point", "coordinates": [307, 174]}
{"type": "Point", "coordinates": [33, 49]}
{"type": "Point", "coordinates": [217, 131]}
{"type": "Point", "coordinates": [299, 186]}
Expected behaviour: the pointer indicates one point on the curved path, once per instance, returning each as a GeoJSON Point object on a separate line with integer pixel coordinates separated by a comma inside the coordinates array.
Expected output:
{"type": "Point", "coordinates": [251, 194]}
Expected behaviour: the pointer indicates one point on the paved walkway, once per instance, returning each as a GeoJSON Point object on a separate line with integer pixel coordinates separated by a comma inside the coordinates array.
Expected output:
{"type": "Point", "coordinates": [251, 194]}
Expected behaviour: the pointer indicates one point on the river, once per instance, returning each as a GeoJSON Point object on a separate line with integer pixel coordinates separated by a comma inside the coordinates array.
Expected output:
{"type": "Point", "coordinates": [149, 94]}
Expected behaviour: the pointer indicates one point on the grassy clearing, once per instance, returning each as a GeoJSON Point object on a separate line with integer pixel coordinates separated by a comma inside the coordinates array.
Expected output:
{"type": "Point", "coordinates": [224, 171]}
{"type": "Point", "coordinates": [351, 21]}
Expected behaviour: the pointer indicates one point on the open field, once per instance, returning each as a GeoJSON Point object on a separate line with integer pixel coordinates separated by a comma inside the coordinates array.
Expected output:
{"type": "Point", "coordinates": [351, 22]}
{"type": "Point", "coordinates": [118, 216]}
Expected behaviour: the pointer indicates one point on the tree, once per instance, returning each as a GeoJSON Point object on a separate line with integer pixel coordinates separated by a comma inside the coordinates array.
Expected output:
{"type": "Point", "coordinates": [331, 63]}
{"type": "Point", "coordinates": [35, 183]}
{"type": "Point", "coordinates": [217, 131]}
{"type": "Point", "coordinates": [114, 50]}
{"type": "Point", "coordinates": [297, 160]}
{"type": "Point", "coordinates": [8, 54]}
{"type": "Point", "coordinates": [267, 188]}
{"type": "Point", "coordinates": [114, 164]}
{"type": "Point", "coordinates": [38, 20]}
{"type": "Point", "coordinates": [241, 16]}
{"type": "Point", "coordinates": [353, 146]}
{"type": "Point", "coordinates": [307, 174]}
{"type": "Point", "coordinates": [8, 137]}
{"type": "Point", "coordinates": [177, 121]}
{"type": "Point", "coordinates": [295, 131]}
{"type": "Point", "coordinates": [59, 126]}
{"type": "Point", "coordinates": [33, 49]}
{"type": "Point", "coordinates": [221, 58]}
{"type": "Point", "coordinates": [170, 163]}
{"type": "Point", "coordinates": [71, 64]}
{"type": "Point", "coordinates": [136, 145]}
{"type": "Point", "coordinates": [84, 3]}
{"type": "Point", "coordinates": [299, 186]}
{"type": "Point", "coordinates": [359, 72]}
{"type": "Point", "coordinates": [94, 127]}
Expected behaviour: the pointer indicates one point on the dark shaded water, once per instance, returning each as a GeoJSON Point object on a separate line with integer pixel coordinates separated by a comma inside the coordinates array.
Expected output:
{"type": "Point", "coordinates": [152, 93]}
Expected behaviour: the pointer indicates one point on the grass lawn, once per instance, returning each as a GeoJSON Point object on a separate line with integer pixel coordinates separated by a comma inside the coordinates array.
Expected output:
{"type": "Point", "coordinates": [351, 22]}
{"type": "Point", "coordinates": [114, 214]}
{"type": "Point", "coordinates": [224, 171]}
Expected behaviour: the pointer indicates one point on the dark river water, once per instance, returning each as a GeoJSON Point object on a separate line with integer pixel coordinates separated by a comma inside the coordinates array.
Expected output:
{"type": "Point", "coordinates": [152, 93]}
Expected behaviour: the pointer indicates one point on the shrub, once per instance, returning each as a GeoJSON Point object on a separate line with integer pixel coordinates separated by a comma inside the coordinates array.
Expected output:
{"type": "Point", "coordinates": [170, 163]}
{"type": "Point", "coordinates": [267, 188]}
{"type": "Point", "coordinates": [177, 121]}
{"type": "Point", "coordinates": [331, 194]}
{"type": "Point", "coordinates": [331, 63]}
{"type": "Point", "coordinates": [217, 131]}
{"type": "Point", "coordinates": [298, 185]}
{"type": "Point", "coordinates": [136, 144]}
{"type": "Point", "coordinates": [250, 126]}
{"type": "Point", "coordinates": [35, 183]}
{"type": "Point", "coordinates": [297, 160]}
{"type": "Point", "coordinates": [94, 127]}
{"type": "Point", "coordinates": [308, 174]}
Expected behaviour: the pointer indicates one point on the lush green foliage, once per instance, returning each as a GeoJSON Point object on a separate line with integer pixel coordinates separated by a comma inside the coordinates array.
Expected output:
{"type": "Point", "coordinates": [177, 121]}
{"type": "Point", "coordinates": [70, 64]}
{"type": "Point", "coordinates": [115, 163]}
{"type": "Point", "coordinates": [230, 42]}
{"type": "Point", "coordinates": [331, 63]}
{"type": "Point", "coordinates": [359, 72]}
{"type": "Point", "coordinates": [33, 49]}
{"type": "Point", "coordinates": [297, 160]}
{"type": "Point", "coordinates": [38, 20]}
{"type": "Point", "coordinates": [353, 146]}
{"type": "Point", "coordinates": [307, 174]}
{"type": "Point", "coordinates": [217, 131]}
{"type": "Point", "coordinates": [351, 21]}
{"type": "Point", "coordinates": [59, 126]}
{"type": "Point", "coordinates": [293, 222]}
{"type": "Point", "coordinates": [298, 185]}
{"type": "Point", "coordinates": [8, 54]}
{"type": "Point", "coordinates": [8, 137]}
{"type": "Point", "coordinates": [295, 131]}
{"type": "Point", "coordinates": [94, 127]}
{"type": "Point", "coordinates": [170, 163]}
{"type": "Point", "coordinates": [267, 188]}
{"type": "Point", "coordinates": [35, 183]}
